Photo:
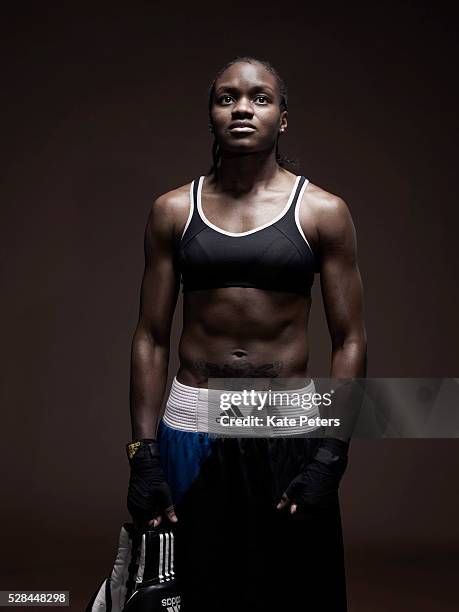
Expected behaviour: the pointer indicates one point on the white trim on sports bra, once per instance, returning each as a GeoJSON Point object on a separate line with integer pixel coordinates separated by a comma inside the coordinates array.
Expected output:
{"type": "Point", "coordinates": [252, 231]}
{"type": "Point", "coordinates": [190, 214]}
{"type": "Point", "coordinates": [297, 213]}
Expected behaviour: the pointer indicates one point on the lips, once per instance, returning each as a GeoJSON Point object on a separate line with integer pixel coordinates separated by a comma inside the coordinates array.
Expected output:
{"type": "Point", "coordinates": [242, 130]}
{"type": "Point", "coordinates": [241, 127]}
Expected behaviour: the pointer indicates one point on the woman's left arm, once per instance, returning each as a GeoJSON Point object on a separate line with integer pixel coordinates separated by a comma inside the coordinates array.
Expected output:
{"type": "Point", "coordinates": [342, 289]}
{"type": "Point", "coordinates": [342, 293]}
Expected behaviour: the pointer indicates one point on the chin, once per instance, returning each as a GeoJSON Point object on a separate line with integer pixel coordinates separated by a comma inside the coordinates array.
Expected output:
{"type": "Point", "coordinates": [241, 145]}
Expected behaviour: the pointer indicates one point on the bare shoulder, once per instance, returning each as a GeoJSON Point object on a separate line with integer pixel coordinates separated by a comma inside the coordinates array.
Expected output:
{"type": "Point", "coordinates": [323, 204]}
{"type": "Point", "coordinates": [170, 210]}
{"type": "Point", "coordinates": [330, 212]}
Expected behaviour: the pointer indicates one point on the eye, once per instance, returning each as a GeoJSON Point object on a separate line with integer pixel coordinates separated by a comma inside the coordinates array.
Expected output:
{"type": "Point", "coordinates": [222, 99]}
{"type": "Point", "coordinates": [265, 98]}
{"type": "Point", "coordinates": [226, 99]}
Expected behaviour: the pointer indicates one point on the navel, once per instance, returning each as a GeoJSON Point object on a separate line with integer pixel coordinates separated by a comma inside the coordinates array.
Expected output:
{"type": "Point", "coordinates": [239, 353]}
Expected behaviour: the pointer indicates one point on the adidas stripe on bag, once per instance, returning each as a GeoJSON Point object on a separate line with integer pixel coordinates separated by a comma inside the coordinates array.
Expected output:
{"type": "Point", "coordinates": [143, 576]}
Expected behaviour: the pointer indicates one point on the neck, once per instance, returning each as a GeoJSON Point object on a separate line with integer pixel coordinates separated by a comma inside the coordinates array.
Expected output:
{"type": "Point", "coordinates": [241, 173]}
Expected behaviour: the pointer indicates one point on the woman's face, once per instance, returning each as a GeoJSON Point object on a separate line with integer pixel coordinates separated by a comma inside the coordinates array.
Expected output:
{"type": "Point", "coordinates": [245, 111]}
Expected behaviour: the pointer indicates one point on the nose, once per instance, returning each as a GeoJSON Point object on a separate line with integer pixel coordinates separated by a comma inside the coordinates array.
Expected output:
{"type": "Point", "coordinates": [243, 106]}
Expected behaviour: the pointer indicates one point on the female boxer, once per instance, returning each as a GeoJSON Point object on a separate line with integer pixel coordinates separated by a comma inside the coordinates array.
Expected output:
{"type": "Point", "coordinates": [257, 519]}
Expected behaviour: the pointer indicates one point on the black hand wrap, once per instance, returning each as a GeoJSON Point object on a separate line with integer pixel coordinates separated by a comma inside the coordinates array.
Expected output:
{"type": "Point", "coordinates": [317, 485]}
{"type": "Point", "coordinates": [148, 492]}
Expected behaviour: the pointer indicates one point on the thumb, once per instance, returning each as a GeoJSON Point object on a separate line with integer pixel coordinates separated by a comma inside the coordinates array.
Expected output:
{"type": "Point", "coordinates": [170, 512]}
{"type": "Point", "coordinates": [283, 502]}
{"type": "Point", "coordinates": [155, 522]}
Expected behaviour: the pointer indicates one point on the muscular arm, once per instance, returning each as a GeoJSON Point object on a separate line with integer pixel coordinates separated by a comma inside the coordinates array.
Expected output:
{"type": "Point", "coordinates": [151, 342]}
{"type": "Point", "coordinates": [344, 308]}
{"type": "Point", "coordinates": [342, 293]}
{"type": "Point", "coordinates": [342, 290]}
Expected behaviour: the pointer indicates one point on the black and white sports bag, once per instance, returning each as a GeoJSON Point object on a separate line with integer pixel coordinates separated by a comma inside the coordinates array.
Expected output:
{"type": "Point", "coordinates": [143, 577]}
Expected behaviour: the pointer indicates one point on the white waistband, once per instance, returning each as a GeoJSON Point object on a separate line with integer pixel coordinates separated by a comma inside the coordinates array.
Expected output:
{"type": "Point", "coordinates": [187, 408]}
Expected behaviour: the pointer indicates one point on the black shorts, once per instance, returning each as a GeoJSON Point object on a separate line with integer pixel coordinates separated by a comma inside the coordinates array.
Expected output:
{"type": "Point", "coordinates": [234, 550]}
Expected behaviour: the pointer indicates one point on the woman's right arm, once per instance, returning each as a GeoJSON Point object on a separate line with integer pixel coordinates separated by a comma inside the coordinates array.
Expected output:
{"type": "Point", "coordinates": [151, 341]}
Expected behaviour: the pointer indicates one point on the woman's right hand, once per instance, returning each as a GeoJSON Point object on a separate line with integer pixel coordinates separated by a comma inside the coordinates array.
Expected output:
{"type": "Point", "coordinates": [170, 514]}
{"type": "Point", "coordinates": [149, 497]}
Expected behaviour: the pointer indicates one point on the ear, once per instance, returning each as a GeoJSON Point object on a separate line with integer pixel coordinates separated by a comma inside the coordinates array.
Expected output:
{"type": "Point", "coordinates": [283, 122]}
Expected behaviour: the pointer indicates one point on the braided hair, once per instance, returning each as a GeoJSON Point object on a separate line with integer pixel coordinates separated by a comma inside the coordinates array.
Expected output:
{"type": "Point", "coordinates": [283, 161]}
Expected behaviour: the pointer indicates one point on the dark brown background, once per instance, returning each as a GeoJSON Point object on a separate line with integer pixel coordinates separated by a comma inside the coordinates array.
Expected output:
{"type": "Point", "coordinates": [105, 109]}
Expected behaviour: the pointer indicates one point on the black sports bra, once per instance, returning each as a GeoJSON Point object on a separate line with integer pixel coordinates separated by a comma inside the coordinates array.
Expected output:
{"type": "Point", "coordinates": [275, 256]}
